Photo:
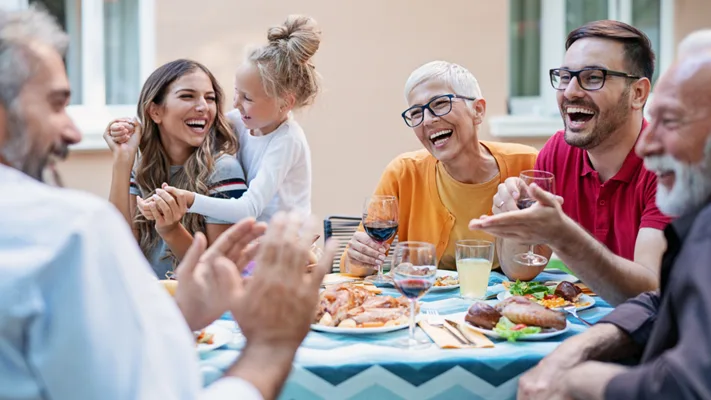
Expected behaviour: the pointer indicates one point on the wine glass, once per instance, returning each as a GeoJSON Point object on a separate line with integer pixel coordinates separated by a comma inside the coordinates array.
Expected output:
{"type": "Point", "coordinates": [546, 181]}
{"type": "Point", "coordinates": [380, 220]}
{"type": "Point", "coordinates": [414, 272]}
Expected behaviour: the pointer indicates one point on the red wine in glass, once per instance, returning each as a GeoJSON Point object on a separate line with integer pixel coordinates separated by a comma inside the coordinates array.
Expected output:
{"type": "Point", "coordinates": [380, 221]}
{"type": "Point", "coordinates": [545, 181]}
{"type": "Point", "coordinates": [525, 203]}
{"type": "Point", "coordinates": [413, 288]}
{"type": "Point", "coordinates": [381, 231]}
{"type": "Point", "coordinates": [414, 272]}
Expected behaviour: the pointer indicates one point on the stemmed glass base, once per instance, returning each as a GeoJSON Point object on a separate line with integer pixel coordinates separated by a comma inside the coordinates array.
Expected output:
{"type": "Point", "coordinates": [417, 343]}
{"type": "Point", "coordinates": [530, 259]}
{"type": "Point", "coordinates": [413, 341]}
{"type": "Point", "coordinates": [379, 278]}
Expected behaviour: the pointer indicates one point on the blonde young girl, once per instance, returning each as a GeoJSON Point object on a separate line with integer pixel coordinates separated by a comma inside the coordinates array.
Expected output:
{"type": "Point", "coordinates": [274, 80]}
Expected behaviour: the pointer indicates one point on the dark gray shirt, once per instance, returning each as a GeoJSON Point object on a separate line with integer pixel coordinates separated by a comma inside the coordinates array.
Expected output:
{"type": "Point", "coordinates": [673, 325]}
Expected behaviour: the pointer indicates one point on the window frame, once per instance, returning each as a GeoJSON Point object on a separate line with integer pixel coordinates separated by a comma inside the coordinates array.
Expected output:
{"type": "Point", "coordinates": [93, 114]}
{"type": "Point", "coordinates": [534, 116]}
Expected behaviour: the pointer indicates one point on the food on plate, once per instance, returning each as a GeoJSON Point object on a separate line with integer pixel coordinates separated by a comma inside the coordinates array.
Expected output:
{"type": "Point", "coordinates": [446, 280]}
{"type": "Point", "coordinates": [350, 305]}
{"type": "Point", "coordinates": [483, 315]}
{"type": "Point", "coordinates": [511, 300]}
{"type": "Point", "coordinates": [202, 337]}
{"type": "Point", "coordinates": [533, 314]}
{"type": "Point", "coordinates": [515, 317]}
{"type": "Point", "coordinates": [562, 295]}
{"type": "Point", "coordinates": [568, 291]}
{"type": "Point", "coordinates": [511, 332]}
{"type": "Point", "coordinates": [536, 290]}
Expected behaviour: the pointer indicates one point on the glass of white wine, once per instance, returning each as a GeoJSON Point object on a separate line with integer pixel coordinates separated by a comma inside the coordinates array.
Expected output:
{"type": "Point", "coordinates": [474, 260]}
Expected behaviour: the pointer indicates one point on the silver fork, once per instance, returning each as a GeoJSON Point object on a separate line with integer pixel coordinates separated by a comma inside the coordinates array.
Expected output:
{"type": "Point", "coordinates": [434, 319]}
{"type": "Point", "coordinates": [572, 310]}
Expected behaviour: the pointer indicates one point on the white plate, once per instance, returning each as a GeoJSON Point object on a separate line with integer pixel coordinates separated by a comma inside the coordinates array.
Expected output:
{"type": "Point", "coordinates": [221, 338]}
{"type": "Point", "coordinates": [584, 298]}
{"type": "Point", "coordinates": [362, 331]}
{"type": "Point", "coordinates": [358, 331]}
{"type": "Point", "coordinates": [536, 336]}
{"type": "Point", "coordinates": [441, 272]}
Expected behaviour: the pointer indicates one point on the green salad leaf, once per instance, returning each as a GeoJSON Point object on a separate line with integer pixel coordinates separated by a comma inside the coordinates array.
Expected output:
{"type": "Point", "coordinates": [511, 332]}
{"type": "Point", "coordinates": [536, 289]}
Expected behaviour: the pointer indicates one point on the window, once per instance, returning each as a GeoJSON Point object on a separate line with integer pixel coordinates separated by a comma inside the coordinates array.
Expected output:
{"type": "Point", "coordinates": [111, 53]}
{"type": "Point", "coordinates": [538, 29]}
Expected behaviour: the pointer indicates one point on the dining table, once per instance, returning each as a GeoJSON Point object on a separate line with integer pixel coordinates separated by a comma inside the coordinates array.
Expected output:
{"type": "Point", "coordinates": [373, 366]}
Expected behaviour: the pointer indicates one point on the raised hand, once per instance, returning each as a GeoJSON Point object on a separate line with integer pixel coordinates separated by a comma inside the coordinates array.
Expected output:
{"type": "Point", "coordinates": [123, 135]}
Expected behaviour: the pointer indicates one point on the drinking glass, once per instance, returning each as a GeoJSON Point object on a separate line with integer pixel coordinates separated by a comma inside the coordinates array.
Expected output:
{"type": "Point", "coordinates": [380, 220]}
{"type": "Point", "coordinates": [474, 260]}
{"type": "Point", "coordinates": [414, 273]}
{"type": "Point", "coordinates": [546, 181]}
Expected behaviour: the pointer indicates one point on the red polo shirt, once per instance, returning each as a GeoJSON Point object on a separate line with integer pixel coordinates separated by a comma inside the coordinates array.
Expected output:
{"type": "Point", "coordinates": [612, 211]}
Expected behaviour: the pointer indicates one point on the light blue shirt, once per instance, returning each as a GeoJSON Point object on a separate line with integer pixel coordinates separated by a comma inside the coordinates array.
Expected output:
{"type": "Point", "coordinates": [81, 313]}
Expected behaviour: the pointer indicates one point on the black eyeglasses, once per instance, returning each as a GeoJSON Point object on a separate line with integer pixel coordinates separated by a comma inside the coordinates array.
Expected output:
{"type": "Point", "coordinates": [438, 106]}
{"type": "Point", "coordinates": [588, 78]}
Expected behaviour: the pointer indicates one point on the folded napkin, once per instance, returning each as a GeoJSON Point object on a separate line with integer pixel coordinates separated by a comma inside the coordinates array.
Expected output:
{"type": "Point", "coordinates": [444, 339]}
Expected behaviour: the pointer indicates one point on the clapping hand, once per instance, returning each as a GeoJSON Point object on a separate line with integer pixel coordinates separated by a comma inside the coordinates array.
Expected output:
{"type": "Point", "coordinates": [278, 305]}
{"type": "Point", "coordinates": [209, 280]}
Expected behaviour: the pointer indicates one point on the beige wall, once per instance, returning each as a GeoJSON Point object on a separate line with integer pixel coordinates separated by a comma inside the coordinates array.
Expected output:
{"type": "Point", "coordinates": [369, 48]}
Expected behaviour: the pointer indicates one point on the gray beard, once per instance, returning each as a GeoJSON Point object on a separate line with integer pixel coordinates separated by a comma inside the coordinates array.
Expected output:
{"type": "Point", "coordinates": [692, 183]}
{"type": "Point", "coordinates": [18, 152]}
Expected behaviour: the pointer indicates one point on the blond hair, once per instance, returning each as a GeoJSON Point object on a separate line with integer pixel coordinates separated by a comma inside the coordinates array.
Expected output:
{"type": "Point", "coordinates": [458, 78]}
{"type": "Point", "coordinates": [284, 64]}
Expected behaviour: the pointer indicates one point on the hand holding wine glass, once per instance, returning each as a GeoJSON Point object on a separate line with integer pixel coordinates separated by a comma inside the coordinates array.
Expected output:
{"type": "Point", "coordinates": [380, 221]}
{"type": "Point", "coordinates": [545, 181]}
{"type": "Point", "coordinates": [414, 273]}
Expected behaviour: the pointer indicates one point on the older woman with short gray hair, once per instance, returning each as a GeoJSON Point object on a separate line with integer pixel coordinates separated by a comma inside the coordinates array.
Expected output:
{"type": "Point", "coordinates": [453, 179]}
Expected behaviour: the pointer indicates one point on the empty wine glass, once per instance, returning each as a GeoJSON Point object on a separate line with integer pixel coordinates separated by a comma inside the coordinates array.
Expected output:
{"type": "Point", "coordinates": [414, 273]}
{"type": "Point", "coordinates": [546, 181]}
{"type": "Point", "coordinates": [380, 221]}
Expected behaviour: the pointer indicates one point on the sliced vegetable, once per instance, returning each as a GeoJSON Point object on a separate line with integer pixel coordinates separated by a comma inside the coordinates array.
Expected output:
{"type": "Point", "coordinates": [511, 332]}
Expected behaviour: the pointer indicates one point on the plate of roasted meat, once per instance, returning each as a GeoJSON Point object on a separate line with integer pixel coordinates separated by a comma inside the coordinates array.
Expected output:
{"type": "Point", "coordinates": [353, 309]}
{"type": "Point", "coordinates": [553, 296]}
{"type": "Point", "coordinates": [516, 318]}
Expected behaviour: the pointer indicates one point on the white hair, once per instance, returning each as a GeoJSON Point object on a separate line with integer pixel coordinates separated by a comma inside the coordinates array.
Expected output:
{"type": "Point", "coordinates": [459, 79]}
{"type": "Point", "coordinates": [695, 42]}
{"type": "Point", "coordinates": [19, 30]}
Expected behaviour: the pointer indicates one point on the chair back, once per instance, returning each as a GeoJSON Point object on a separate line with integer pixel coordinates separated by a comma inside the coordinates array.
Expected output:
{"type": "Point", "coordinates": [342, 228]}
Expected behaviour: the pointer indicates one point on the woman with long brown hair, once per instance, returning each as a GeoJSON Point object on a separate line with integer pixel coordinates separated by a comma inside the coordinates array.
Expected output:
{"type": "Point", "coordinates": [183, 140]}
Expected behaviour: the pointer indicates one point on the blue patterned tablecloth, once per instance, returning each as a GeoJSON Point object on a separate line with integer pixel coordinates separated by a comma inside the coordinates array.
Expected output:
{"type": "Point", "coordinates": [333, 366]}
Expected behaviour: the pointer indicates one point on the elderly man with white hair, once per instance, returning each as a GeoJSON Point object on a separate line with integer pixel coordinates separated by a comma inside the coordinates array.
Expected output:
{"type": "Point", "coordinates": [695, 42]}
{"type": "Point", "coordinates": [453, 179]}
{"type": "Point", "coordinates": [666, 331]}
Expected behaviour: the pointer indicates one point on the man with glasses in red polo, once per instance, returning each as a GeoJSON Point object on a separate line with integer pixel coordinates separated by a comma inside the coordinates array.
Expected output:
{"type": "Point", "coordinates": [604, 225]}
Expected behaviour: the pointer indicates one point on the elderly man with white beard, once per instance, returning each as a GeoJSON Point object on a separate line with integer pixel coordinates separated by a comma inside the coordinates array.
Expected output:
{"type": "Point", "coordinates": [667, 331]}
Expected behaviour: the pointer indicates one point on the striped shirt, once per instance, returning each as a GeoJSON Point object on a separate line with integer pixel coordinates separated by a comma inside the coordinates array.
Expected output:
{"type": "Point", "coordinates": [227, 181]}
